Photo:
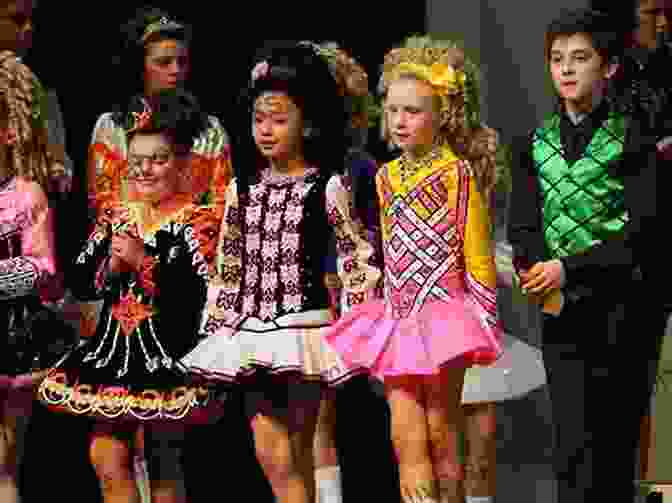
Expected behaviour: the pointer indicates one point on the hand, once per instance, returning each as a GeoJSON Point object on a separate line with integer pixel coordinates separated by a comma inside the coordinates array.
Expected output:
{"type": "Point", "coordinates": [128, 249]}
{"type": "Point", "coordinates": [543, 278]}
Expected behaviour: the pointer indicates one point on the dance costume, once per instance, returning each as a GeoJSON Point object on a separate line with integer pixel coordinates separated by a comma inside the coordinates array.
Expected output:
{"type": "Point", "coordinates": [268, 306]}
{"type": "Point", "coordinates": [568, 203]}
{"type": "Point", "coordinates": [27, 266]}
{"type": "Point", "coordinates": [439, 285]}
{"type": "Point", "coordinates": [130, 369]}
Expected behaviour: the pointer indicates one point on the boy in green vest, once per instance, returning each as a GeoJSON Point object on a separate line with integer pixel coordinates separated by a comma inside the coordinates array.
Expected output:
{"type": "Point", "coordinates": [571, 232]}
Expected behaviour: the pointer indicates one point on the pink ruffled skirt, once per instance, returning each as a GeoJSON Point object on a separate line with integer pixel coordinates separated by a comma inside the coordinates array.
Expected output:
{"type": "Point", "coordinates": [440, 334]}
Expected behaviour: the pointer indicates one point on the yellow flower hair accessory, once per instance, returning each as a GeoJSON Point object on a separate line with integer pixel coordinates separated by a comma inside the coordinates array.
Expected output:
{"type": "Point", "coordinates": [443, 78]}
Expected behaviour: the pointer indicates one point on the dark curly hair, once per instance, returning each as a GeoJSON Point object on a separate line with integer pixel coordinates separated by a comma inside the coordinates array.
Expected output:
{"type": "Point", "coordinates": [129, 63]}
{"type": "Point", "coordinates": [297, 70]}
{"type": "Point", "coordinates": [601, 27]}
{"type": "Point", "coordinates": [174, 112]}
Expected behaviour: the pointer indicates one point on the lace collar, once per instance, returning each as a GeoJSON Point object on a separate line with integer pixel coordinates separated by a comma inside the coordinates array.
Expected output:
{"type": "Point", "coordinates": [276, 179]}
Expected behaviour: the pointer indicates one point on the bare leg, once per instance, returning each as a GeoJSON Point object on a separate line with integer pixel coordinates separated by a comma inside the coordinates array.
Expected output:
{"type": "Point", "coordinates": [445, 422]}
{"type": "Point", "coordinates": [480, 428]}
{"type": "Point", "coordinates": [164, 447]}
{"type": "Point", "coordinates": [111, 458]}
{"type": "Point", "coordinates": [410, 438]}
{"type": "Point", "coordinates": [283, 438]}
{"type": "Point", "coordinates": [327, 469]}
{"type": "Point", "coordinates": [8, 465]}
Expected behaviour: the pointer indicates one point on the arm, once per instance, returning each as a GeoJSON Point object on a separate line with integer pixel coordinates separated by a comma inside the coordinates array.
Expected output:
{"type": "Point", "coordinates": [224, 286]}
{"type": "Point", "coordinates": [212, 171]}
{"type": "Point", "coordinates": [35, 269]}
{"type": "Point", "coordinates": [354, 253]}
{"type": "Point", "coordinates": [90, 276]}
{"type": "Point", "coordinates": [56, 134]}
{"type": "Point", "coordinates": [479, 259]}
{"type": "Point", "coordinates": [525, 231]}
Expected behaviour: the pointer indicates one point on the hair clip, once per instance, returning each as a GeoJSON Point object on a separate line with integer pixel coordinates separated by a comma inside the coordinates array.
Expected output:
{"type": "Point", "coordinates": [260, 70]}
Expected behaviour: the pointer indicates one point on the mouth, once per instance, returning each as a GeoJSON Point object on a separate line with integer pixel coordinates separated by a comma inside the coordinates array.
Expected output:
{"type": "Point", "coordinates": [402, 136]}
{"type": "Point", "coordinates": [568, 85]}
{"type": "Point", "coordinates": [267, 145]}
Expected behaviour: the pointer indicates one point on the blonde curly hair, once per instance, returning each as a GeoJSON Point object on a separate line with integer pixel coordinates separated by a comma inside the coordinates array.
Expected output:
{"type": "Point", "coordinates": [352, 82]}
{"type": "Point", "coordinates": [460, 124]}
{"type": "Point", "coordinates": [21, 101]}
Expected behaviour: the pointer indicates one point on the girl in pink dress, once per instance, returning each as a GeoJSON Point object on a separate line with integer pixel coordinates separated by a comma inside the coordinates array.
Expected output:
{"type": "Point", "coordinates": [439, 313]}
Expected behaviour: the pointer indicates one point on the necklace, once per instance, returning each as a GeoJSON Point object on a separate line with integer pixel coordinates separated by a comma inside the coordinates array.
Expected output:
{"type": "Point", "coordinates": [409, 167]}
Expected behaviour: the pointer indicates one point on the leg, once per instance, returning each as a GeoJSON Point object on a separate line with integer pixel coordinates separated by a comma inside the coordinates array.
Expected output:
{"type": "Point", "coordinates": [8, 486]}
{"type": "Point", "coordinates": [140, 465]}
{"type": "Point", "coordinates": [164, 450]}
{"type": "Point", "coordinates": [111, 458]}
{"type": "Point", "coordinates": [327, 469]}
{"type": "Point", "coordinates": [283, 438]}
{"type": "Point", "coordinates": [410, 438]}
{"type": "Point", "coordinates": [566, 372]}
{"type": "Point", "coordinates": [445, 421]}
{"type": "Point", "coordinates": [480, 428]}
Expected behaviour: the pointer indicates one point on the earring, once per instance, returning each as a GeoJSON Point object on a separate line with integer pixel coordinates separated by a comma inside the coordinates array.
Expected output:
{"type": "Point", "coordinates": [308, 132]}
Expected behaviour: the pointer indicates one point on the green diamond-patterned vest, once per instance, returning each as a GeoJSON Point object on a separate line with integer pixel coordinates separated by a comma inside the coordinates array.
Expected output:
{"type": "Point", "coordinates": [582, 202]}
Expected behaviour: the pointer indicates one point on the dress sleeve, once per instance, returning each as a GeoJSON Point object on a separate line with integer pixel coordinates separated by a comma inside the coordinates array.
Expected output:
{"type": "Point", "coordinates": [106, 162]}
{"type": "Point", "coordinates": [525, 230]}
{"type": "Point", "coordinates": [35, 269]}
{"type": "Point", "coordinates": [479, 254]}
{"type": "Point", "coordinates": [212, 164]}
{"type": "Point", "coordinates": [56, 133]}
{"type": "Point", "coordinates": [224, 287]}
{"type": "Point", "coordinates": [358, 276]}
{"type": "Point", "coordinates": [89, 278]}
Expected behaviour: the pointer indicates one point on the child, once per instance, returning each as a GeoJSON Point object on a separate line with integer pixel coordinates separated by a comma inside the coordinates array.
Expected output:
{"type": "Point", "coordinates": [572, 216]}
{"type": "Point", "coordinates": [439, 315]}
{"type": "Point", "coordinates": [149, 261]}
{"type": "Point", "coordinates": [268, 307]}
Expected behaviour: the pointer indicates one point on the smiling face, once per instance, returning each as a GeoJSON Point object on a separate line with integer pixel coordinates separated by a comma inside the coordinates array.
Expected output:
{"type": "Point", "coordinates": [153, 167]}
{"type": "Point", "coordinates": [579, 72]}
{"type": "Point", "coordinates": [166, 65]}
{"type": "Point", "coordinates": [16, 25]}
{"type": "Point", "coordinates": [277, 126]}
{"type": "Point", "coordinates": [412, 115]}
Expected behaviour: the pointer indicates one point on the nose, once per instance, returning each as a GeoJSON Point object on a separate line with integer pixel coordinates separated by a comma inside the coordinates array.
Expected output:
{"type": "Point", "coordinates": [264, 128]}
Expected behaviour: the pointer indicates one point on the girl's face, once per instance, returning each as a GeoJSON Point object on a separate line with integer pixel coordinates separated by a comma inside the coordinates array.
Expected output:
{"type": "Point", "coordinates": [277, 126]}
{"type": "Point", "coordinates": [153, 167]}
{"type": "Point", "coordinates": [412, 115]}
{"type": "Point", "coordinates": [579, 72]}
{"type": "Point", "coordinates": [166, 65]}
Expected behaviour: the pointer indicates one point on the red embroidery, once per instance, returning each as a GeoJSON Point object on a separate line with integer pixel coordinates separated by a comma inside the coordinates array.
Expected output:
{"type": "Point", "coordinates": [129, 312]}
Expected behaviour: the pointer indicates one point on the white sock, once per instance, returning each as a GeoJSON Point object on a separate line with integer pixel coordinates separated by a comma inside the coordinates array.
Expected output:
{"type": "Point", "coordinates": [328, 481]}
{"type": "Point", "coordinates": [478, 499]}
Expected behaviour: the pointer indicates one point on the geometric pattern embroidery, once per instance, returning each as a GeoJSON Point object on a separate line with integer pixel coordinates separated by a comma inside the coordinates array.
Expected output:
{"type": "Point", "coordinates": [422, 246]}
{"type": "Point", "coordinates": [582, 202]}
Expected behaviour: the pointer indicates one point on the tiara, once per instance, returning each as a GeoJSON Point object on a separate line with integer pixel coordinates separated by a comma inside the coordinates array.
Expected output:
{"type": "Point", "coordinates": [162, 24]}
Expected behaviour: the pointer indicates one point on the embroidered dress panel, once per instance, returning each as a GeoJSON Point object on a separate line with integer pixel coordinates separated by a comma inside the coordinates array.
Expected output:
{"type": "Point", "coordinates": [583, 202]}
{"type": "Point", "coordinates": [421, 238]}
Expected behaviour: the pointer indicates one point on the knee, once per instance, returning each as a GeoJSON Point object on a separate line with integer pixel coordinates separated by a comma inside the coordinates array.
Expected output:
{"type": "Point", "coordinates": [111, 460]}
{"type": "Point", "coordinates": [410, 444]}
{"type": "Point", "coordinates": [273, 449]}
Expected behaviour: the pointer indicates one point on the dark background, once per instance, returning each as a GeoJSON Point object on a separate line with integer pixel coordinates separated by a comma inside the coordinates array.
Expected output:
{"type": "Point", "coordinates": [72, 53]}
